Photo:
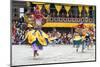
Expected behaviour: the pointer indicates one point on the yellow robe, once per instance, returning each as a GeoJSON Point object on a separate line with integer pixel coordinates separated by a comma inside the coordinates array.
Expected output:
{"type": "Point", "coordinates": [39, 35]}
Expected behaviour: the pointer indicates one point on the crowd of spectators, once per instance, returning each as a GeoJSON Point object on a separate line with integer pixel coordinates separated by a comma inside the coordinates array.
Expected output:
{"type": "Point", "coordinates": [18, 30]}
{"type": "Point", "coordinates": [60, 37]}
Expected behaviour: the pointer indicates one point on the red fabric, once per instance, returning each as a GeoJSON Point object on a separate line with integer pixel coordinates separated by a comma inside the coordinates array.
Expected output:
{"type": "Point", "coordinates": [81, 26]}
{"type": "Point", "coordinates": [38, 14]}
{"type": "Point", "coordinates": [14, 31]}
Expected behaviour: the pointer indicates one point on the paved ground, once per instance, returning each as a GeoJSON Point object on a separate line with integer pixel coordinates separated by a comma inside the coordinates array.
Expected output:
{"type": "Point", "coordinates": [22, 54]}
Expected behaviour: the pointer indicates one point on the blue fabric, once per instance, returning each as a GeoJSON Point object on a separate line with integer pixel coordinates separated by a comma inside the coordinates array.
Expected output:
{"type": "Point", "coordinates": [40, 32]}
{"type": "Point", "coordinates": [37, 44]}
{"type": "Point", "coordinates": [77, 42]}
{"type": "Point", "coordinates": [87, 42]}
{"type": "Point", "coordinates": [47, 40]}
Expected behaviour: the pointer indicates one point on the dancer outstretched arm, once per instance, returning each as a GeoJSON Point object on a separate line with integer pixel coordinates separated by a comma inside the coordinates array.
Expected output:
{"type": "Point", "coordinates": [45, 19]}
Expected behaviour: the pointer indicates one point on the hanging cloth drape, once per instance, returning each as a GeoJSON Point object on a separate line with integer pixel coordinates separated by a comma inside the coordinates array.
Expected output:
{"type": "Point", "coordinates": [87, 10]}
{"type": "Point", "coordinates": [80, 10]}
{"type": "Point", "coordinates": [47, 7]}
{"type": "Point", "coordinates": [58, 7]}
{"type": "Point", "coordinates": [40, 6]}
{"type": "Point", "coordinates": [93, 7]}
{"type": "Point", "coordinates": [67, 8]}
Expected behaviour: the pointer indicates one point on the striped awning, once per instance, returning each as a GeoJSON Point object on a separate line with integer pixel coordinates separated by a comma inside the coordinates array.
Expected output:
{"type": "Point", "coordinates": [69, 25]}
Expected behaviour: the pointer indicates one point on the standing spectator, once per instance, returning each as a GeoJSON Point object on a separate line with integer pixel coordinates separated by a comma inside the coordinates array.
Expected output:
{"type": "Point", "coordinates": [65, 38]}
{"type": "Point", "coordinates": [13, 31]}
{"type": "Point", "coordinates": [69, 36]}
